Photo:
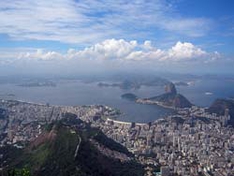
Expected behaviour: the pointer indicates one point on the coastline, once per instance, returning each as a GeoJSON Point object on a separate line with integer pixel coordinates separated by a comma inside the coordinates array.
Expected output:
{"type": "Point", "coordinates": [150, 102]}
{"type": "Point", "coordinates": [109, 118]}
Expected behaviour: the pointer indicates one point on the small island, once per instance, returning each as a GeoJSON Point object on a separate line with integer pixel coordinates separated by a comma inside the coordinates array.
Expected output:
{"type": "Point", "coordinates": [129, 96]}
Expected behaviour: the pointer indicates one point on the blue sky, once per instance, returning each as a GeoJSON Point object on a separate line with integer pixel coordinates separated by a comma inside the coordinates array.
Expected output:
{"type": "Point", "coordinates": [173, 34]}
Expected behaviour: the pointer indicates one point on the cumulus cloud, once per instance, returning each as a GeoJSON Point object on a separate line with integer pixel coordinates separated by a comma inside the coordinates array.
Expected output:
{"type": "Point", "coordinates": [41, 55]}
{"type": "Point", "coordinates": [122, 50]}
{"type": "Point", "coordinates": [186, 51]}
{"type": "Point", "coordinates": [147, 45]}
{"type": "Point", "coordinates": [109, 49]}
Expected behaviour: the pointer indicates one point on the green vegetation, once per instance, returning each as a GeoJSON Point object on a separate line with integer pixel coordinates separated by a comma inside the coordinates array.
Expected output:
{"type": "Point", "coordinates": [51, 153]}
{"type": "Point", "coordinates": [19, 172]}
{"type": "Point", "coordinates": [54, 153]}
{"type": "Point", "coordinates": [39, 155]}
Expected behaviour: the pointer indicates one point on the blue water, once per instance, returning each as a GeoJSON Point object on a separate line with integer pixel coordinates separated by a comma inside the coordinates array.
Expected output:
{"type": "Point", "coordinates": [197, 93]}
{"type": "Point", "coordinates": [78, 93]}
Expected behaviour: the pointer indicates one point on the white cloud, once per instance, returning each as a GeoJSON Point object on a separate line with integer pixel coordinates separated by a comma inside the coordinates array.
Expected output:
{"type": "Point", "coordinates": [196, 27]}
{"type": "Point", "coordinates": [92, 21]}
{"type": "Point", "coordinates": [147, 45]}
{"type": "Point", "coordinates": [109, 49]}
{"type": "Point", "coordinates": [186, 51]}
{"type": "Point", "coordinates": [41, 55]}
{"type": "Point", "coordinates": [122, 50]}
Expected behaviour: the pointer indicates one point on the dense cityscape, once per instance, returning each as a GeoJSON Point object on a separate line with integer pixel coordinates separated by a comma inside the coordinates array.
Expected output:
{"type": "Point", "coordinates": [192, 142]}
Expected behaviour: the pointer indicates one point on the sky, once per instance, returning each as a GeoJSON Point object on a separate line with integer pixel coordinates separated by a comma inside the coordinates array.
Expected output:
{"type": "Point", "coordinates": [76, 35]}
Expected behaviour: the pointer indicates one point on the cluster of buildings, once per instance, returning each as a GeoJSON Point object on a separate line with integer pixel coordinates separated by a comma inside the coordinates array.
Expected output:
{"type": "Point", "coordinates": [191, 143]}
{"type": "Point", "coordinates": [22, 122]}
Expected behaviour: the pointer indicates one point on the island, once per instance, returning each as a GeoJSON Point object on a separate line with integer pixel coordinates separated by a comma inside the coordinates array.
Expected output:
{"type": "Point", "coordinates": [125, 85]}
{"type": "Point", "coordinates": [129, 96]}
{"type": "Point", "coordinates": [135, 83]}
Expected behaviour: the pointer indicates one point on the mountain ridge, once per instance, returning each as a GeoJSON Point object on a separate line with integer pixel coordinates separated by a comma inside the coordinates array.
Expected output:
{"type": "Point", "coordinates": [68, 149]}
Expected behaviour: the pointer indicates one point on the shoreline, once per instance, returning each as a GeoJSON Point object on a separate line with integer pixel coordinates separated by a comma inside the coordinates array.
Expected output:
{"type": "Point", "coordinates": [150, 102]}
{"type": "Point", "coordinates": [106, 120]}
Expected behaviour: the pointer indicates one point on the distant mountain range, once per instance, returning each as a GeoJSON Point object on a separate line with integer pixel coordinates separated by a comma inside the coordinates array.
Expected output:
{"type": "Point", "coordinates": [136, 83]}
{"type": "Point", "coordinates": [71, 147]}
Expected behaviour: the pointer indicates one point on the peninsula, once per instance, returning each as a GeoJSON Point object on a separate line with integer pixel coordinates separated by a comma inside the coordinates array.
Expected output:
{"type": "Point", "coordinates": [170, 99]}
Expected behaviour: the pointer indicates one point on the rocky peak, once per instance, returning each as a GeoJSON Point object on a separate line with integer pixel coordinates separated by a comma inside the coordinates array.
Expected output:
{"type": "Point", "coordinates": [170, 88]}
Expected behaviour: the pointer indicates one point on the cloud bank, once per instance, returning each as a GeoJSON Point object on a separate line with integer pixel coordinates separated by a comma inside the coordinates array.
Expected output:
{"type": "Point", "coordinates": [122, 50]}
{"type": "Point", "coordinates": [113, 55]}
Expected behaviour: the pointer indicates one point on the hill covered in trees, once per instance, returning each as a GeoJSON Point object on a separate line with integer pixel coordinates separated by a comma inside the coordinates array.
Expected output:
{"type": "Point", "coordinates": [71, 147]}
